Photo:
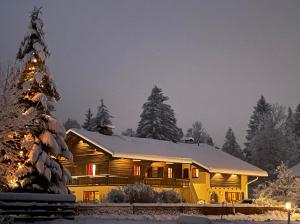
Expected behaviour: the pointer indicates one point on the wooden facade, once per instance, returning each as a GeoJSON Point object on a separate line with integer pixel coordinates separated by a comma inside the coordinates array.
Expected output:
{"type": "Point", "coordinates": [95, 172]}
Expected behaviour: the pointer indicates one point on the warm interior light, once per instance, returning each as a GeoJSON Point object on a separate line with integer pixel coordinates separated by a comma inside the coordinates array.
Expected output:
{"type": "Point", "coordinates": [233, 175]}
{"type": "Point", "coordinates": [288, 205]}
{"type": "Point", "coordinates": [136, 160]}
{"type": "Point", "coordinates": [217, 174]}
{"type": "Point", "coordinates": [169, 163]}
{"type": "Point", "coordinates": [21, 153]}
{"type": "Point", "coordinates": [94, 169]}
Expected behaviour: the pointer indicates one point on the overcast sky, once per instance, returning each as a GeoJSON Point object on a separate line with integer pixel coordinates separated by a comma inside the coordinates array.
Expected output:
{"type": "Point", "coordinates": [212, 58]}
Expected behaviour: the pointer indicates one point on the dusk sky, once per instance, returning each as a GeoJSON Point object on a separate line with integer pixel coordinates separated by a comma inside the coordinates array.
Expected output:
{"type": "Point", "coordinates": [213, 59]}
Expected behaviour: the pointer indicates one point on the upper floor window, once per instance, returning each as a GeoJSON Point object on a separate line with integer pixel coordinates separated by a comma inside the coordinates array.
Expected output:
{"type": "Point", "coordinates": [91, 169]}
{"type": "Point", "coordinates": [136, 170]}
{"type": "Point", "coordinates": [170, 172]}
{"type": "Point", "coordinates": [195, 172]}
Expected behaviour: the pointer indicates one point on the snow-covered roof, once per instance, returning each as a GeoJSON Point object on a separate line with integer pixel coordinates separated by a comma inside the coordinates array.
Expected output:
{"type": "Point", "coordinates": [296, 170]}
{"type": "Point", "coordinates": [208, 157]}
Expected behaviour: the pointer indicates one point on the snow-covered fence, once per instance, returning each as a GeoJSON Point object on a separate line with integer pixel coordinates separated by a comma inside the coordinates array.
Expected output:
{"type": "Point", "coordinates": [31, 206]}
{"type": "Point", "coordinates": [170, 209]}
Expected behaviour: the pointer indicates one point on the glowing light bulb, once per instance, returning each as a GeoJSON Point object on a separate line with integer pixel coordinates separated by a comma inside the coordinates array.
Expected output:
{"type": "Point", "coordinates": [21, 153]}
{"type": "Point", "coordinates": [34, 60]}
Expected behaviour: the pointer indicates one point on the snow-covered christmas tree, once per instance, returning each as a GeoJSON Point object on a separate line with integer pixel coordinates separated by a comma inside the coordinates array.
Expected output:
{"type": "Point", "coordinates": [31, 140]}
{"type": "Point", "coordinates": [158, 119]}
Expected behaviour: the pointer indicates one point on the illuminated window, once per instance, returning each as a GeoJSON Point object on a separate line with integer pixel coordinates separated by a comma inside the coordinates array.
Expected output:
{"type": "Point", "coordinates": [91, 196]}
{"type": "Point", "coordinates": [91, 169]}
{"type": "Point", "coordinates": [170, 172]}
{"type": "Point", "coordinates": [136, 170]}
{"type": "Point", "coordinates": [195, 172]}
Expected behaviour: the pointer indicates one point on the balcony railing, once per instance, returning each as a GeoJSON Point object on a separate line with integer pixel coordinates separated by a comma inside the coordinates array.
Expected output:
{"type": "Point", "coordinates": [116, 181]}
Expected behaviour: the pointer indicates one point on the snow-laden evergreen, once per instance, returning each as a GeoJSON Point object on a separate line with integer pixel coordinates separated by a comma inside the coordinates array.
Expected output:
{"type": "Point", "coordinates": [32, 140]}
{"type": "Point", "coordinates": [103, 117]}
{"type": "Point", "coordinates": [231, 146]}
{"type": "Point", "coordinates": [256, 123]}
{"type": "Point", "coordinates": [199, 134]}
{"type": "Point", "coordinates": [88, 123]}
{"type": "Point", "coordinates": [157, 119]}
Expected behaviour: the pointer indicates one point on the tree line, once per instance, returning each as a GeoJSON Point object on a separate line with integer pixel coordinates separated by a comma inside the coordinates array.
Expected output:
{"type": "Point", "coordinates": [273, 134]}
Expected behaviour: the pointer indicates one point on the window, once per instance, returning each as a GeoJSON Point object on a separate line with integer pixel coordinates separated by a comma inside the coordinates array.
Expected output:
{"type": "Point", "coordinates": [195, 172]}
{"type": "Point", "coordinates": [136, 170]}
{"type": "Point", "coordinates": [91, 169]}
{"type": "Point", "coordinates": [234, 196]}
{"type": "Point", "coordinates": [91, 196]}
{"type": "Point", "coordinates": [170, 172]}
{"type": "Point", "coordinates": [185, 173]}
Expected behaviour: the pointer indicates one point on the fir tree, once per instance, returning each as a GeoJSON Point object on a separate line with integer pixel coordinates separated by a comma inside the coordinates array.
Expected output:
{"type": "Point", "coordinates": [70, 123]}
{"type": "Point", "coordinates": [261, 110]}
{"type": "Point", "coordinates": [32, 140]}
{"type": "Point", "coordinates": [199, 134]}
{"type": "Point", "coordinates": [102, 118]}
{"type": "Point", "coordinates": [231, 146]}
{"type": "Point", "coordinates": [158, 119]}
{"type": "Point", "coordinates": [297, 121]}
{"type": "Point", "coordinates": [88, 123]}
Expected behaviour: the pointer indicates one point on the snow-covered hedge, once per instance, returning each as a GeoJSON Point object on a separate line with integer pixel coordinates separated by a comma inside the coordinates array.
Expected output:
{"type": "Point", "coordinates": [141, 193]}
{"type": "Point", "coordinates": [169, 196]}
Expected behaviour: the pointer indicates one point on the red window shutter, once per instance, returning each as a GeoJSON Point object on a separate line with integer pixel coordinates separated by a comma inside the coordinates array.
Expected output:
{"type": "Point", "coordinates": [89, 169]}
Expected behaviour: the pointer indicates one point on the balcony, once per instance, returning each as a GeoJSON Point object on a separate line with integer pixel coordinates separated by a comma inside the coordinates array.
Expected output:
{"type": "Point", "coordinates": [120, 181]}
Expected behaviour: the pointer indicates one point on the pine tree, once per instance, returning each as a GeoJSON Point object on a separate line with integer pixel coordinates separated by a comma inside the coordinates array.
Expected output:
{"type": "Point", "coordinates": [158, 119]}
{"type": "Point", "coordinates": [231, 146]}
{"type": "Point", "coordinates": [70, 123]}
{"type": "Point", "coordinates": [297, 121]}
{"type": "Point", "coordinates": [102, 118]}
{"type": "Point", "coordinates": [199, 134]}
{"type": "Point", "coordinates": [32, 141]}
{"type": "Point", "coordinates": [88, 123]}
{"type": "Point", "coordinates": [261, 110]}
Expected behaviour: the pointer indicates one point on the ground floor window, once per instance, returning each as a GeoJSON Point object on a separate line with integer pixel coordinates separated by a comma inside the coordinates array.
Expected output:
{"type": "Point", "coordinates": [234, 196]}
{"type": "Point", "coordinates": [91, 196]}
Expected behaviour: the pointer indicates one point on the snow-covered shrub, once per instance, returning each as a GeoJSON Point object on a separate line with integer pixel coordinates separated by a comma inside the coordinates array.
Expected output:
{"type": "Point", "coordinates": [282, 189]}
{"type": "Point", "coordinates": [140, 193]}
{"type": "Point", "coordinates": [5, 219]}
{"type": "Point", "coordinates": [169, 196]}
{"type": "Point", "coordinates": [117, 196]}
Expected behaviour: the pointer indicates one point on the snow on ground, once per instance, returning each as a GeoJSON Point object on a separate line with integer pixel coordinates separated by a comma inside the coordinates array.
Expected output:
{"type": "Point", "coordinates": [270, 217]}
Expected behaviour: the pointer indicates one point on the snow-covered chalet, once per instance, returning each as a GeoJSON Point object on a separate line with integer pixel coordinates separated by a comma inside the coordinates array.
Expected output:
{"type": "Point", "coordinates": [200, 173]}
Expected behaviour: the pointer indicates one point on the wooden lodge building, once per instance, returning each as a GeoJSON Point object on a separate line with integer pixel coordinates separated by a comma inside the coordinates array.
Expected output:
{"type": "Point", "coordinates": [200, 173]}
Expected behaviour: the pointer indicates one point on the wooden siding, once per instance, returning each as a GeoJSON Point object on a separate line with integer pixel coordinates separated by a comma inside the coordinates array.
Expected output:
{"type": "Point", "coordinates": [225, 180]}
{"type": "Point", "coordinates": [121, 167]}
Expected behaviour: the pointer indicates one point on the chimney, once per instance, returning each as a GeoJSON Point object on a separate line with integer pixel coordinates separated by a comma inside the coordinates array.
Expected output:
{"type": "Point", "coordinates": [106, 130]}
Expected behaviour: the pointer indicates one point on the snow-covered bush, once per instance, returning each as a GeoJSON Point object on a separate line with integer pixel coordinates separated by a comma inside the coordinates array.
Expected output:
{"type": "Point", "coordinates": [140, 193]}
{"type": "Point", "coordinates": [282, 189]}
{"type": "Point", "coordinates": [169, 196]}
{"type": "Point", "coordinates": [117, 196]}
{"type": "Point", "coordinates": [5, 219]}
